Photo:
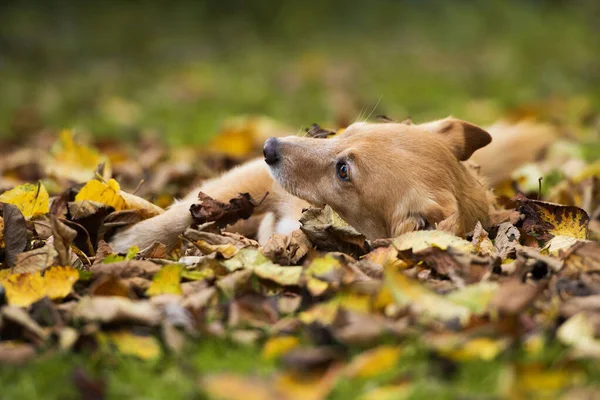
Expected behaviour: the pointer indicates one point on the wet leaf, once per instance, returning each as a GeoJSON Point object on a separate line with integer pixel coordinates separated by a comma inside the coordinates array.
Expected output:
{"type": "Point", "coordinates": [32, 200]}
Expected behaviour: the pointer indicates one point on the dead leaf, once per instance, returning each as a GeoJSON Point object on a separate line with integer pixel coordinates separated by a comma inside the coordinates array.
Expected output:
{"type": "Point", "coordinates": [166, 281]}
{"type": "Point", "coordinates": [25, 289]}
{"type": "Point", "coordinates": [30, 199]}
{"type": "Point", "coordinates": [126, 269]}
{"type": "Point", "coordinates": [145, 348]}
{"type": "Point", "coordinates": [373, 362]}
{"type": "Point", "coordinates": [35, 260]}
{"type": "Point", "coordinates": [116, 309]}
{"type": "Point", "coordinates": [507, 240]}
{"type": "Point", "coordinates": [545, 220]}
{"type": "Point", "coordinates": [233, 387]}
{"type": "Point", "coordinates": [276, 347]}
{"type": "Point", "coordinates": [212, 210]}
{"type": "Point", "coordinates": [329, 232]}
{"type": "Point", "coordinates": [63, 237]}
{"type": "Point", "coordinates": [421, 240]}
{"type": "Point", "coordinates": [578, 332]}
{"type": "Point", "coordinates": [108, 285]}
{"type": "Point", "coordinates": [13, 352]}
{"type": "Point", "coordinates": [15, 233]}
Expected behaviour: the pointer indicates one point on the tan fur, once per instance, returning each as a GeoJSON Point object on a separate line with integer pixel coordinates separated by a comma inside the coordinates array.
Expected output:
{"type": "Point", "coordinates": [403, 177]}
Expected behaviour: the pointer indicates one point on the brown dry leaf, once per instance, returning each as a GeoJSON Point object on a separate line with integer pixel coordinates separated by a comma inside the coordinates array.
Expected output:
{"type": "Point", "coordinates": [287, 250]}
{"type": "Point", "coordinates": [582, 258]}
{"type": "Point", "coordinates": [15, 233]}
{"type": "Point", "coordinates": [420, 240]}
{"type": "Point", "coordinates": [482, 242]}
{"type": "Point", "coordinates": [109, 286]}
{"type": "Point", "coordinates": [306, 386]}
{"type": "Point", "coordinates": [30, 199]}
{"type": "Point", "coordinates": [156, 250]}
{"type": "Point", "coordinates": [63, 237]}
{"type": "Point", "coordinates": [35, 260]}
{"type": "Point", "coordinates": [329, 232]}
{"type": "Point", "coordinates": [146, 348]}
{"type": "Point", "coordinates": [578, 333]}
{"type": "Point", "coordinates": [513, 296]}
{"type": "Point", "coordinates": [166, 281]}
{"type": "Point", "coordinates": [211, 210]}
{"type": "Point", "coordinates": [126, 269]}
{"type": "Point", "coordinates": [18, 317]}
{"type": "Point", "coordinates": [234, 387]}
{"type": "Point", "coordinates": [82, 209]}
{"type": "Point", "coordinates": [373, 362]}
{"type": "Point", "coordinates": [13, 352]}
{"type": "Point", "coordinates": [507, 240]}
{"type": "Point", "coordinates": [116, 309]}
{"type": "Point", "coordinates": [27, 288]}
{"type": "Point", "coordinates": [545, 220]}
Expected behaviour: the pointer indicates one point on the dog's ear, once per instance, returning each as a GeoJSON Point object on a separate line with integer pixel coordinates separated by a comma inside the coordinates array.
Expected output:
{"type": "Point", "coordinates": [462, 137]}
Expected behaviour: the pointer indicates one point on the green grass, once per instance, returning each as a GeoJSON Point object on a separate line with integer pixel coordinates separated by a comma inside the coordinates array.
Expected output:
{"type": "Point", "coordinates": [116, 69]}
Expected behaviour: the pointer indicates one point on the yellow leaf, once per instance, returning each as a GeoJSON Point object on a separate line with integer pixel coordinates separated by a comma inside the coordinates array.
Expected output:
{"type": "Point", "coordinates": [476, 296]}
{"type": "Point", "coordinates": [421, 240]}
{"type": "Point", "coordinates": [316, 287]}
{"type": "Point", "coordinates": [313, 386]}
{"type": "Point", "coordinates": [31, 199]}
{"type": "Point", "coordinates": [286, 276]}
{"type": "Point", "coordinates": [422, 301]}
{"type": "Point", "coordinates": [27, 288]}
{"type": "Point", "coordinates": [59, 281]}
{"type": "Point", "coordinates": [534, 381]}
{"type": "Point", "coordinates": [373, 362]}
{"type": "Point", "coordinates": [233, 387]}
{"type": "Point", "coordinates": [275, 347]}
{"type": "Point", "coordinates": [227, 250]}
{"type": "Point", "coordinates": [72, 160]}
{"type": "Point", "coordinates": [482, 348]}
{"type": "Point", "coordinates": [143, 347]}
{"type": "Point", "coordinates": [166, 281]}
{"type": "Point", "coordinates": [105, 193]}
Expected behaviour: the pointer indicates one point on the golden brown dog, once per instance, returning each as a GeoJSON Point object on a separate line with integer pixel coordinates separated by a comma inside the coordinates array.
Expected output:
{"type": "Point", "coordinates": [384, 179]}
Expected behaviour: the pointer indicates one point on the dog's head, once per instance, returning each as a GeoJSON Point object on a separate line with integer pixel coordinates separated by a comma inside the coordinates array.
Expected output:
{"type": "Point", "coordinates": [387, 178]}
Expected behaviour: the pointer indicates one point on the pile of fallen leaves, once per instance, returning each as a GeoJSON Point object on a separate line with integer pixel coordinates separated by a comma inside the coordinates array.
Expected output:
{"type": "Point", "coordinates": [325, 303]}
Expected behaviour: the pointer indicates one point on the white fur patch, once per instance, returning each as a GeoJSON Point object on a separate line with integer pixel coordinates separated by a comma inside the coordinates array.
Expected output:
{"type": "Point", "coordinates": [286, 226]}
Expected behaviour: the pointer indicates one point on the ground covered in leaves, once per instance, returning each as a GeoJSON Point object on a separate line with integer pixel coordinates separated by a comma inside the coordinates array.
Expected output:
{"type": "Point", "coordinates": [511, 312]}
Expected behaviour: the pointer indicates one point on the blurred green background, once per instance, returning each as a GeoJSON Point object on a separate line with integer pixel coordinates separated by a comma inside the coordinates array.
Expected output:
{"type": "Point", "coordinates": [181, 68]}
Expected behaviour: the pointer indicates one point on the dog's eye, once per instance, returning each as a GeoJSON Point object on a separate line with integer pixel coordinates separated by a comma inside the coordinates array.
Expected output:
{"type": "Point", "coordinates": [342, 171]}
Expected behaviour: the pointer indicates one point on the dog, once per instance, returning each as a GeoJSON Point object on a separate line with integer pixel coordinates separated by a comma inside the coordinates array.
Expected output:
{"type": "Point", "coordinates": [384, 179]}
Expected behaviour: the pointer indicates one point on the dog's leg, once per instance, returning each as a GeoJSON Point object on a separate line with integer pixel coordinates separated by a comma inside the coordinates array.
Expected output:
{"type": "Point", "coordinates": [252, 178]}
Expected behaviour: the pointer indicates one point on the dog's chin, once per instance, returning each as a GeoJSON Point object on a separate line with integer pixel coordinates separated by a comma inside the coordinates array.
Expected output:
{"type": "Point", "coordinates": [280, 175]}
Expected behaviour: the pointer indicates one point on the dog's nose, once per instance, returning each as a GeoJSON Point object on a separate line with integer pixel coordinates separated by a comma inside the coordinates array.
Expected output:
{"type": "Point", "coordinates": [271, 150]}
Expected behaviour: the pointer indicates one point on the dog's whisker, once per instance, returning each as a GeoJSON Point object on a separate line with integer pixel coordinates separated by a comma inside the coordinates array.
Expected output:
{"type": "Point", "coordinates": [374, 108]}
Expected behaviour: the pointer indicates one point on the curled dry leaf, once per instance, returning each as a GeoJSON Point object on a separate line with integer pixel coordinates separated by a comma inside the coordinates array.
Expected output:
{"type": "Point", "coordinates": [15, 233]}
{"type": "Point", "coordinates": [63, 237]}
{"type": "Point", "coordinates": [116, 309]}
{"type": "Point", "coordinates": [328, 231]}
{"type": "Point", "coordinates": [35, 260]}
{"type": "Point", "coordinates": [13, 352]}
{"type": "Point", "coordinates": [126, 269]}
{"type": "Point", "coordinates": [212, 210]}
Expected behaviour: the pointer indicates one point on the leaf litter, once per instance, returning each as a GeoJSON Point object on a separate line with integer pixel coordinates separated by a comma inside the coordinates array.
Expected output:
{"type": "Point", "coordinates": [325, 305]}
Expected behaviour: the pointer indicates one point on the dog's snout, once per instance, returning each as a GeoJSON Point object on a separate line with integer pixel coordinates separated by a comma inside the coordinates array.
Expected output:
{"type": "Point", "coordinates": [271, 151]}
